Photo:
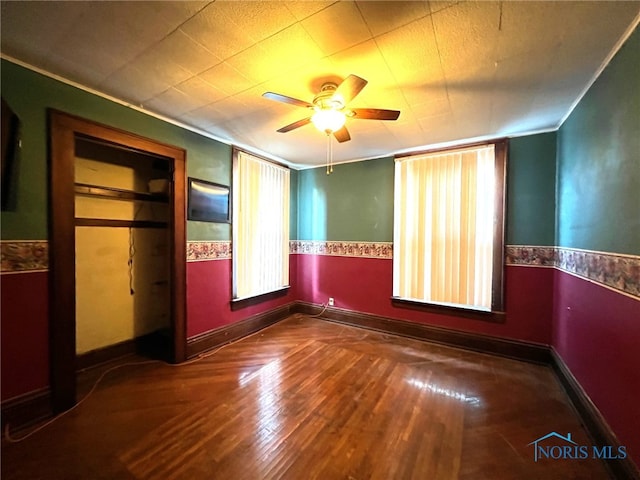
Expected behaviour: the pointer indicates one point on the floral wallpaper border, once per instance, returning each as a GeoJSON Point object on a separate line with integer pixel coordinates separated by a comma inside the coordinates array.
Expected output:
{"type": "Point", "coordinates": [530, 255]}
{"type": "Point", "coordinates": [342, 249]}
{"type": "Point", "coordinates": [24, 256]}
{"type": "Point", "coordinates": [216, 250]}
{"type": "Point", "coordinates": [616, 271]}
{"type": "Point", "coordinates": [620, 272]}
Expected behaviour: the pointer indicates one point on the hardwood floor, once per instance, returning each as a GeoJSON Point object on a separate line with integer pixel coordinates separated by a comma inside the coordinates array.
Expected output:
{"type": "Point", "coordinates": [307, 399]}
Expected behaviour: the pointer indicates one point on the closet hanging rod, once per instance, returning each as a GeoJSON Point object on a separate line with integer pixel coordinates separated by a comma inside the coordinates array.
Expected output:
{"type": "Point", "coordinates": [118, 193]}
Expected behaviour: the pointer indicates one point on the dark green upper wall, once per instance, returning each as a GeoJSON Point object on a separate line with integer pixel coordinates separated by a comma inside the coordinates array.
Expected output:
{"type": "Point", "coordinates": [355, 202]}
{"type": "Point", "coordinates": [531, 190]}
{"type": "Point", "coordinates": [599, 161]}
{"type": "Point", "coordinates": [30, 94]}
{"type": "Point", "coordinates": [293, 205]}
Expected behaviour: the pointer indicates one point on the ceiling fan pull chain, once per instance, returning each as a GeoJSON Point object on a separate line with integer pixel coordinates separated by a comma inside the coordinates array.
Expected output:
{"type": "Point", "coordinates": [328, 152]}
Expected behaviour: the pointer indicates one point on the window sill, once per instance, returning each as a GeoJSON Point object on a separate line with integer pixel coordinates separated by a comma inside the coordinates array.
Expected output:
{"type": "Point", "coordinates": [493, 316]}
{"type": "Point", "coordinates": [239, 303]}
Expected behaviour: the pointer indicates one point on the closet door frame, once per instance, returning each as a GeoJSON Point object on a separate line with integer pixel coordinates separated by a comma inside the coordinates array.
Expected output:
{"type": "Point", "coordinates": [63, 130]}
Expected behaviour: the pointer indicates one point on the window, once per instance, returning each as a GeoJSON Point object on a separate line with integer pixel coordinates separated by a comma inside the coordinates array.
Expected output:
{"type": "Point", "coordinates": [448, 227]}
{"type": "Point", "coordinates": [260, 226]}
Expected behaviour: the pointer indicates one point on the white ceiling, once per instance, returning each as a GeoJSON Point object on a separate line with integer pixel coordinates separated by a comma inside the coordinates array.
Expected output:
{"type": "Point", "coordinates": [456, 70]}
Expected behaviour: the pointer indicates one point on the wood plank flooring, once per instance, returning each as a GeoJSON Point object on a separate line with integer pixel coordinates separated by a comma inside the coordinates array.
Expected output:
{"type": "Point", "coordinates": [311, 399]}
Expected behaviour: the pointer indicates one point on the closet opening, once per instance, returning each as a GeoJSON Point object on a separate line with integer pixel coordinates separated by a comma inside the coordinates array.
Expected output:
{"type": "Point", "coordinates": [118, 250]}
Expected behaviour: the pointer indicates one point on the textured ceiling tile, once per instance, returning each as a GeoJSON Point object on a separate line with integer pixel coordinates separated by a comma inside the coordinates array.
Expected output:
{"type": "Point", "coordinates": [259, 19]}
{"type": "Point", "coordinates": [302, 10]}
{"type": "Point", "coordinates": [512, 89]}
{"type": "Point", "coordinates": [175, 12]}
{"type": "Point", "coordinates": [212, 29]}
{"type": "Point", "coordinates": [182, 50]}
{"type": "Point", "coordinates": [86, 74]}
{"type": "Point", "coordinates": [467, 36]}
{"type": "Point", "coordinates": [226, 79]}
{"type": "Point", "coordinates": [436, 6]}
{"type": "Point", "coordinates": [245, 63]}
{"type": "Point", "coordinates": [437, 128]}
{"type": "Point", "coordinates": [337, 27]}
{"type": "Point", "coordinates": [172, 102]}
{"type": "Point", "coordinates": [228, 108]}
{"type": "Point", "coordinates": [428, 101]}
{"type": "Point", "coordinates": [519, 72]}
{"type": "Point", "coordinates": [108, 47]}
{"type": "Point", "coordinates": [197, 88]}
{"type": "Point", "coordinates": [157, 66]}
{"type": "Point", "coordinates": [546, 111]}
{"type": "Point", "coordinates": [39, 25]}
{"type": "Point", "coordinates": [407, 133]}
{"type": "Point", "coordinates": [133, 85]}
{"type": "Point", "coordinates": [254, 121]}
{"type": "Point", "coordinates": [384, 16]}
{"type": "Point", "coordinates": [412, 54]}
{"type": "Point", "coordinates": [472, 111]}
{"type": "Point", "coordinates": [131, 28]}
{"type": "Point", "coordinates": [543, 27]}
{"type": "Point", "coordinates": [286, 51]}
{"type": "Point", "coordinates": [150, 21]}
{"type": "Point", "coordinates": [585, 42]}
{"type": "Point", "coordinates": [203, 116]}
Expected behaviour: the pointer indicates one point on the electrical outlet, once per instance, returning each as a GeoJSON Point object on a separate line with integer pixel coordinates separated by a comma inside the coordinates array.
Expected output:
{"type": "Point", "coordinates": [331, 301]}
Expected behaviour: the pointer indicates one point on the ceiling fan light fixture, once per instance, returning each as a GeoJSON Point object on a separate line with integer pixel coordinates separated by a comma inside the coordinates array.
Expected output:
{"type": "Point", "coordinates": [328, 120]}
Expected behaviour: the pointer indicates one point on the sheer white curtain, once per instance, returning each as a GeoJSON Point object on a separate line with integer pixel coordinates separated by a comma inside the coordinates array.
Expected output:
{"type": "Point", "coordinates": [443, 227]}
{"type": "Point", "coordinates": [260, 226]}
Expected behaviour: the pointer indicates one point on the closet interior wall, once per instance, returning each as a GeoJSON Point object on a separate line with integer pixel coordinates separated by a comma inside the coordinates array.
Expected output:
{"type": "Point", "coordinates": [122, 245]}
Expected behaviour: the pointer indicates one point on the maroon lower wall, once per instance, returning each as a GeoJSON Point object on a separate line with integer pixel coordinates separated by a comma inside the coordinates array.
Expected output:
{"type": "Point", "coordinates": [209, 294]}
{"type": "Point", "coordinates": [25, 321]}
{"type": "Point", "coordinates": [25, 333]}
{"type": "Point", "coordinates": [596, 332]}
{"type": "Point", "coordinates": [365, 285]}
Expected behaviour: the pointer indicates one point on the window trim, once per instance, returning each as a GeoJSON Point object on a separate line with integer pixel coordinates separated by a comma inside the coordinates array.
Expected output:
{"type": "Point", "coordinates": [497, 312]}
{"type": "Point", "coordinates": [235, 302]}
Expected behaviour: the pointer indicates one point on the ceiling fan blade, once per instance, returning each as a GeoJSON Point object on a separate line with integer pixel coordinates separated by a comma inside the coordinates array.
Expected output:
{"type": "Point", "coordinates": [349, 88]}
{"type": "Point", "coordinates": [294, 125]}
{"type": "Point", "coordinates": [284, 99]}
{"type": "Point", "coordinates": [375, 113]}
{"type": "Point", "coordinates": [342, 135]}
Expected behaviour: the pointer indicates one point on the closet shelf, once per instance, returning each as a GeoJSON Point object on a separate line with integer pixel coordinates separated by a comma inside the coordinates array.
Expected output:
{"type": "Point", "coordinates": [104, 222]}
{"type": "Point", "coordinates": [118, 193]}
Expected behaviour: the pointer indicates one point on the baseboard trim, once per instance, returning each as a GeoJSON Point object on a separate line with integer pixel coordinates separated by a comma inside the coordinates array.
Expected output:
{"type": "Point", "coordinates": [595, 424]}
{"type": "Point", "coordinates": [519, 350]}
{"type": "Point", "coordinates": [235, 331]}
{"type": "Point", "coordinates": [25, 410]}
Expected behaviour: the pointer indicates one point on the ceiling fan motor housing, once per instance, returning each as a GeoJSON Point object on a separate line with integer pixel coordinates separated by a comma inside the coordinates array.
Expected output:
{"type": "Point", "coordinates": [327, 99]}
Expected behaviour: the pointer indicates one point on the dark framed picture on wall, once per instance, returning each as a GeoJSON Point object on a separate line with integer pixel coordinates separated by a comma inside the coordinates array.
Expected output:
{"type": "Point", "coordinates": [208, 201]}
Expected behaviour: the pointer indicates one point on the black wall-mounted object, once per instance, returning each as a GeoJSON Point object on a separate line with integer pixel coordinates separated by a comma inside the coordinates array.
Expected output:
{"type": "Point", "coordinates": [10, 136]}
{"type": "Point", "coordinates": [208, 201]}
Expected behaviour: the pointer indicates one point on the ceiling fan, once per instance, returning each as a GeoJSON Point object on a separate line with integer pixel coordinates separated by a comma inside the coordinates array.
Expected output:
{"type": "Point", "coordinates": [330, 108]}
